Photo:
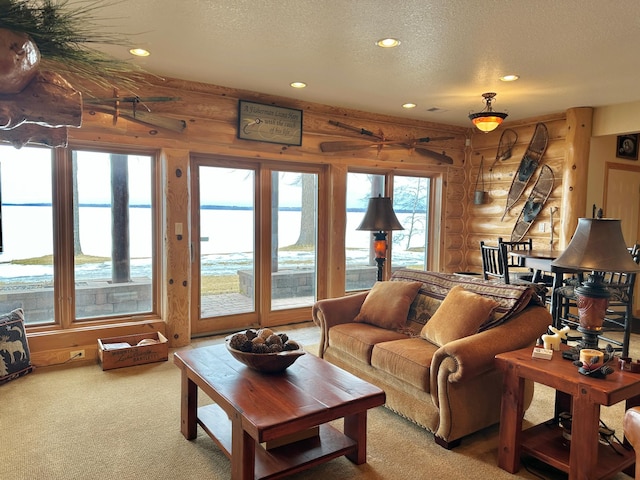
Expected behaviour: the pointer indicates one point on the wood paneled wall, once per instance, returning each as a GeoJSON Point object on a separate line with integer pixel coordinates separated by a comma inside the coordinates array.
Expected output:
{"type": "Point", "coordinates": [211, 116]}
{"type": "Point", "coordinates": [567, 154]}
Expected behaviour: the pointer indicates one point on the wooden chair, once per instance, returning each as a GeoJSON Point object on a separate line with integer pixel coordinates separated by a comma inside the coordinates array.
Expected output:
{"type": "Point", "coordinates": [493, 265]}
{"type": "Point", "coordinates": [516, 265]}
{"type": "Point", "coordinates": [619, 315]}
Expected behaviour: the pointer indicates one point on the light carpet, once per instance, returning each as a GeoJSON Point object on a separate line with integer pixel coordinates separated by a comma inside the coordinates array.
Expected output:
{"type": "Point", "coordinates": [82, 423]}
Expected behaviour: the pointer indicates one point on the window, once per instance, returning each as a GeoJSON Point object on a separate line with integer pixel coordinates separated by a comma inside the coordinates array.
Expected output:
{"type": "Point", "coordinates": [26, 217]}
{"type": "Point", "coordinates": [113, 234]}
{"type": "Point", "coordinates": [408, 248]}
{"type": "Point", "coordinates": [411, 205]}
{"type": "Point", "coordinates": [361, 271]}
{"type": "Point", "coordinates": [109, 270]}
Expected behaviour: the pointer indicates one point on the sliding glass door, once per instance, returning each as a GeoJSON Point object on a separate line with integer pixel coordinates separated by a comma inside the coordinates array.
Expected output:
{"type": "Point", "coordinates": [227, 241]}
{"type": "Point", "coordinates": [294, 208]}
{"type": "Point", "coordinates": [255, 248]}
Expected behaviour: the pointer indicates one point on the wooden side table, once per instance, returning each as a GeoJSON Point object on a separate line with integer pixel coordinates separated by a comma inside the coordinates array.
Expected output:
{"type": "Point", "coordinates": [583, 457]}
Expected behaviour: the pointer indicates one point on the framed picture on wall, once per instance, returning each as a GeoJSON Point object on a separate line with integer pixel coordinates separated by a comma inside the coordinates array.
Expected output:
{"type": "Point", "coordinates": [627, 146]}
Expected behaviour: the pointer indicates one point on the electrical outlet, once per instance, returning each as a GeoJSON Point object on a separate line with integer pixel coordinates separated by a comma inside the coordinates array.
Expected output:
{"type": "Point", "coordinates": [541, 227]}
{"type": "Point", "coordinates": [76, 354]}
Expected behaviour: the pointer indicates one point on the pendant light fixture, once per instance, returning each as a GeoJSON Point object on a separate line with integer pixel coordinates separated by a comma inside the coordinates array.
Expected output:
{"type": "Point", "coordinates": [487, 120]}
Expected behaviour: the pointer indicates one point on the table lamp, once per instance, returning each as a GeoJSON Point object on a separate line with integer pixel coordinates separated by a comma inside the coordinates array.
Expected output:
{"type": "Point", "coordinates": [597, 246]}
{"type": "Point", "coordinates": [380, 218]}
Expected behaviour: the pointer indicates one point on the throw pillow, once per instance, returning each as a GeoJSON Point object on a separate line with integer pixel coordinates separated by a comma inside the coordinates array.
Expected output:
{"type": "Point", "coordinates": [387, 304]}
{"type": "Point", "coordinates": [15, 359]}
{"type": "Point", "coordinates": [461, 314]}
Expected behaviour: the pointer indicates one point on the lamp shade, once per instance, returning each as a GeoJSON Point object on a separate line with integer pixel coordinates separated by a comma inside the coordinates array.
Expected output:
{"type": "Point", "coordinates": [380, 216]}
{"type": "Point", "coordinates": [487, 121]}
{"type": "Point", "coordinates": [597, 245]}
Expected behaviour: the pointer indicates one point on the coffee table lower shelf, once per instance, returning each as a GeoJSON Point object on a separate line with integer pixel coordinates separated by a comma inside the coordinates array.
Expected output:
{"type": "Point", "coordinates": [281, 461]}
{"type": "Point", "coordinates": [545, 442]}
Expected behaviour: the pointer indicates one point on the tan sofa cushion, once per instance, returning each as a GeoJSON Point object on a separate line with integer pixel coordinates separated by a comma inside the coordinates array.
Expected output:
{"type": "Point", "coordinates": [358, 339]}
{"type": "Point", "coordinates": [408, 360]}
{"type": "Point", "coordinates": [461, 314]}
{"type": "Point", "coordinates": [387, 304]}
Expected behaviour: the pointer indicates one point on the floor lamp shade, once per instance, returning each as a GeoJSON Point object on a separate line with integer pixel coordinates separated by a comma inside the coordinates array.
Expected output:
{"type": "Point", "coordinates": [379, 219]}
{"type": "Point", "coordinates": [380, 216]}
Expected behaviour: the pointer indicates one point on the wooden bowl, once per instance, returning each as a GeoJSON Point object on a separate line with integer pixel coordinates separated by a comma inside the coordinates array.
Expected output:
{"type": "Point", "coordinates": [266, 362]}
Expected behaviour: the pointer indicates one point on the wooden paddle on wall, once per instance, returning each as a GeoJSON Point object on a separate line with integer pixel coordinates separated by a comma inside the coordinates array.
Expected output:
{"type": "Point", "coordinates": [343, 146]}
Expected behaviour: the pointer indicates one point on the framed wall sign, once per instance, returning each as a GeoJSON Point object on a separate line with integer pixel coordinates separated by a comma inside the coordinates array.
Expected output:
{"type": "Point", "coordinates": [627, 146]}
{"type": "Point", "coordinates": [267, 123]}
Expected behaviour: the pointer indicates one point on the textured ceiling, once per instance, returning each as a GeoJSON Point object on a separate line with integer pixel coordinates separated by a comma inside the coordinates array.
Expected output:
{"type": "Point", "coordinates": [568, 53]}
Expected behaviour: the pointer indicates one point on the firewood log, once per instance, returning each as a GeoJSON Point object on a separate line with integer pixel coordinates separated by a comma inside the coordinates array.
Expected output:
{"type": "Point", "coordinates": [35, 134]}
{"type": "Point", "coordinates": [48, 100]}
{"type": "Point", "coordinates": [19, 61]}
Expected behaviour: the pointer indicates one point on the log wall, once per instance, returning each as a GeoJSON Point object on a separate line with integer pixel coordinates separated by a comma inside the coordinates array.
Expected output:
{"type": "Point", "coordinates": [211, 116]}
{"type": "Point", "coordinates": [567, 153]}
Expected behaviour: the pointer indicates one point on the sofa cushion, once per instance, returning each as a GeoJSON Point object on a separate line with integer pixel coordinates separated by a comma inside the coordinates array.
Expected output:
{"type": "Point", "coordinates": [15, 359]}
{"type": "Point", "coordinates": [387, 304]}
{"type": "Point", "coordinates": [408, 360]}
{"type": "Point", "coordinates": [461, 314]}
{"type": "Point", "coordinates": [511, 298]}
{"type": "Point", "coordinates": [358, 339]}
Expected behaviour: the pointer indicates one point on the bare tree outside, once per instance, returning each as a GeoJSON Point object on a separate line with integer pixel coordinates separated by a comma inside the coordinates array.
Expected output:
{"type": "Point", "coordinates": [410, 200]}
{"type": "Point", "coordinates": [307, 237]}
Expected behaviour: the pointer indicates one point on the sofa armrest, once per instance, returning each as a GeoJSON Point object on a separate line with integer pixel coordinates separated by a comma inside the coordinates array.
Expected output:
{"type": "Point", "coordinates": [471, 356]}
{"type": "Point", "coordinates": [631, 430]}
{"type": "Point", "coordinates": [334, 311]}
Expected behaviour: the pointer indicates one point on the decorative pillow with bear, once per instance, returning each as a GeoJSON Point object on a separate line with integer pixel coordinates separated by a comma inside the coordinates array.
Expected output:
{"type": "Point", "coordinates": [461, 314]}
{"type": "Point", "coordinates": [387, 304]}
{"type": "Point", "coordinates": [15, 359]}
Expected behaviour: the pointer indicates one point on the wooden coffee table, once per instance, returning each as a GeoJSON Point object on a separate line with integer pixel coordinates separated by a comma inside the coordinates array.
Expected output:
{"type": "Point", "coordinates": [251, 408]}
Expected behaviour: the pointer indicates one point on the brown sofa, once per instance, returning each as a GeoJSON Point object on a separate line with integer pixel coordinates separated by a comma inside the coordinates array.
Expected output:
{"type": "Point", "coordinates": [631, 427]}
{"type": "Point", "coordinates": [433, 357]}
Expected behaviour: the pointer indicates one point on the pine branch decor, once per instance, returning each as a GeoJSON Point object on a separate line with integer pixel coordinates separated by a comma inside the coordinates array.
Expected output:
{"type": "Point", "coordinates": [66, 33]}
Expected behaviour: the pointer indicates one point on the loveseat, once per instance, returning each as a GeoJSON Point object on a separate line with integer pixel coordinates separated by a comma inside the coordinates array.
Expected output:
{"type": "Point", "coordinates": [429, 340]}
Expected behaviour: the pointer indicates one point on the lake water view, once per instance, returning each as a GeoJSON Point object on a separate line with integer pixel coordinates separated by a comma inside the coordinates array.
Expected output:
{"type": "Point", "coordinates": [226, 247]}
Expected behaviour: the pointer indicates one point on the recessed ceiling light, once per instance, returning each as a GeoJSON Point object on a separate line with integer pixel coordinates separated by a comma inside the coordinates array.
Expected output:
{"type": "Point", "coordinates": [409, 105]}
{"type": "Point", "coordinates": [139, 52]}
{"type": "Point", "coordinates": [510, 78]}
{"type": "Point", "coordinates": [298, 84]}
{"type": "Point", "coordinates": [388, 42]}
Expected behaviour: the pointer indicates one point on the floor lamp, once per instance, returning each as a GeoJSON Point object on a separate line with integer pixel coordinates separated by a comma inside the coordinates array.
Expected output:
{"type": "Point", "coordinates": [379, 219]}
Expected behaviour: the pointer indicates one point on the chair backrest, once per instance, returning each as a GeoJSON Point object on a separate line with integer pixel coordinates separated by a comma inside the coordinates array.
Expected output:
{"type": "Point", "coordinates": [493, 262]}
{"type": "Point", "coordinates": [525, 246]}
{"type": "Point", "coordinates": [621, 284]}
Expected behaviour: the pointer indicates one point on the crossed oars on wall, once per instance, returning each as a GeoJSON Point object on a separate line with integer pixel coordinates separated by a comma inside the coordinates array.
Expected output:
{"type": "Point", "coordinates": [142, 115]}
{"type": "Point", "coordinates": [343, 146]}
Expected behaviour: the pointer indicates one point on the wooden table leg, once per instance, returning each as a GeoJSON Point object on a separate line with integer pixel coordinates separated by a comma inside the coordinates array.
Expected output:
{"type": "Point", "coordinates": [584, 436]}
{"type": "Point", "coordinates": [355, 427]}
{"type": "Point", "coordinates": [188, 406]}
{"type": "Point", "coordinates": [243, 451]}
{"type": "Point", "coordinates": [512, 410]}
